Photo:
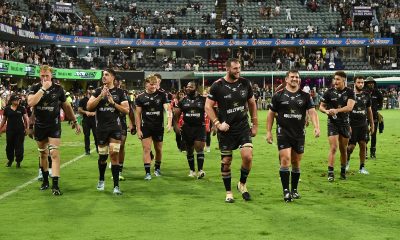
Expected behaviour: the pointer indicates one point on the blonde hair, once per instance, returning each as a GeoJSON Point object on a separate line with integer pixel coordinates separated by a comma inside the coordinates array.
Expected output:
{"type": "Point", "coordinates": [151, 79]}
{"type": "Point", "coordinates": [46, 68]}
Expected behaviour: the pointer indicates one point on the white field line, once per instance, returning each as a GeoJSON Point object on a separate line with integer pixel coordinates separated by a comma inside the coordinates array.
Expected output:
{"type": "Point", "coordinates": [16, 189]}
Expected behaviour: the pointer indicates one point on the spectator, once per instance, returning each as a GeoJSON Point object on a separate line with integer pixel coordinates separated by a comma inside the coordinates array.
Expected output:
{"type": "Point", "coordinates": [332, 65]}
{"type": "Point", "coordinates": [313, 5]}
{"type": "Point", "coordinates": [277, 10]}
{"type": "Point", "coordinates": [271, 32]}
{"type": "Point", "coordinates": [169, 66]}
{"type": "Point", "coordinates": [196, 67]}
{"type": "Point", "coordinates": [288, 14]}
{"type": "Point", "coordinates": [188, 66]}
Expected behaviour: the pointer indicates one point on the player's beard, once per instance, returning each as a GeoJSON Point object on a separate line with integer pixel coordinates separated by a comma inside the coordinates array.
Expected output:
{"type": "Point", "coordinates": [232, 76]}
{"type": "Point", "coordinates": [191, 93]}
{"type": "Point", "coordinates": [370, 87]}
{"type": "Point", "coordinates": [359, 89]}
{"type": "Point", "coordinates": [294, 84]}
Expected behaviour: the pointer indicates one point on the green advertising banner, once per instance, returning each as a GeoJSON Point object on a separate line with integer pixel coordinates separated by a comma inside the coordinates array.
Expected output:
{"type": "Point", "coordinates": [16, 68]}
{"type": "Point", "coordinates": [23, 69]}
{"type": "Point", "coordinates": [78, 74]}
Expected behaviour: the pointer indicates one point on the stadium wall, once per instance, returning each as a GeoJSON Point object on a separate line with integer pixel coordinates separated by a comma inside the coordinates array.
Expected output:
{"type": "Point", "coordinates": [13, 33]}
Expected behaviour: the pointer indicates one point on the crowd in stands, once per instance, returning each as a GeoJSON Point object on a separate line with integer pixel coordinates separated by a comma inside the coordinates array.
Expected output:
{"type": "Point", "coordinates": [313, 62]}
{"type": "Point", "coordinates": [60, 58]}
{"type": "Point", "coordinates": [137, 59]}
{"type": "Point", "coordinates": [13, 51]}
{"type": "Point", "coordinates": [377, 25]}
{"type": "Point", "coordinates": [42, 18]}
{"type": "Point", "coordinates": [128, 29]}
{"type": "Point", "coordinates": [263, 95]}
{"type": "Point", "coordinates": [164, 23]}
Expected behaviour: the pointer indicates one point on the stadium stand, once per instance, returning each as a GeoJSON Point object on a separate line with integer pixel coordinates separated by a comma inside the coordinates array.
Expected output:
{"type": "Point", "coordinates": [155, 19]}
{"type": "Point", "coordinates": [182, 19]}
{"type": "Point", "coordinates": [125, 59]}
{"type": "Point", "coordinates": [38, 15]}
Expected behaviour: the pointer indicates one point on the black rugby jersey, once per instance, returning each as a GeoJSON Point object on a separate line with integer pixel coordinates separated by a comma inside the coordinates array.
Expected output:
{"type": "Point", "coordinates": [131, 107]}
{"type": "Point", "coordinates": [47, 110]}
{"type": "Point", "coordinates": [122, 115]}
{"type": "Point", "coordinates": [334, 98]}
{"type": "Point", "coordinates": [232, 102]}
{"type": "Point", "coordinates": [83, 104]}
{"type": "Point", "coordinates": [359, 114]}
{"type": "Point", "coordinates": [167, 94]}
{"type": "Point", "coordinates": [193, 110]}
{"type": "Point", "coordinates": [376, 102]}
{"type": "Point", "coordinates": [291, 109]}
{"type": "Point", "coordinates": [107, 116]}
{"type": "Point", "coordinates": [15, 120]}
{"type": "Point", "coordinates": [152, 108]}
{"type": "Point", "coordinates": [24, 104]}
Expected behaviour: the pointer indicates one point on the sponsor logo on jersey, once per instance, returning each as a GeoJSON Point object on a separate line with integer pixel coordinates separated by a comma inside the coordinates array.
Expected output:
{"type": "Point", "coordinates": [153, 113]}
{"type": "Point", "coordinates": [228, 96]}
{"type": "Point", "coordinates": [236, 108]}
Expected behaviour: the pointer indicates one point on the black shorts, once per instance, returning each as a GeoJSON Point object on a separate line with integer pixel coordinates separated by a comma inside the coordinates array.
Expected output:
{"type": "Point", "coordinates": [103, 135]}
{"type": "Point", "coordinates": [285, 141]}
{"type": "Point", "coordinates": [47, 132]}
{"type": "Point", "coordinates": [358, 134]}
{"type": "Point", "coordinates": [156, 133]}
{"type": "Point", "coordinates": [228, 141]}
{"type": "Point", "coordinates": [343, 130]}
{"type": "Point", "coordinates": [192, 134]}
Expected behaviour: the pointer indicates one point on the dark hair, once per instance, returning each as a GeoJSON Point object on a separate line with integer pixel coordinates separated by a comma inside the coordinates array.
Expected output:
{"type": "Point", "coordinates": [359, 77]}
{"type": "Point", "coordinates": [112, 71]}
{"type": "Point", "coordinates": [119, 78]}
{"type": "Point", "coordinates": [341, 74]}
{"type": "Point", "coordinates": [194, 83]}
{"type": "Point", "coordinates": [292, 71]}
{"type": "Point", "coordinates": [370, 80]}
{"type": "Point", "coordinates": [230, 61]}
{"type": "Point", "coordinates": [14, 97]}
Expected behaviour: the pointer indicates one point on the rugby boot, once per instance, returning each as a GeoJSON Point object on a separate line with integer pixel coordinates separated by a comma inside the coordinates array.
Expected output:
{"type": "Point", "coordinates": [243, 190]}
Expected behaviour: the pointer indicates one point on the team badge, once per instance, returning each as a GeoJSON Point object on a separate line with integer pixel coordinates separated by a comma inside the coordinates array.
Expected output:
{"type": "Point", "coordinates": [300, 102]}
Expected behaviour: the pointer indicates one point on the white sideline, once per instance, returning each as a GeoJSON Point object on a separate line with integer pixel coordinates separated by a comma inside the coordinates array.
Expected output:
{"type": "Point", "coordinates": [6, 194]}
